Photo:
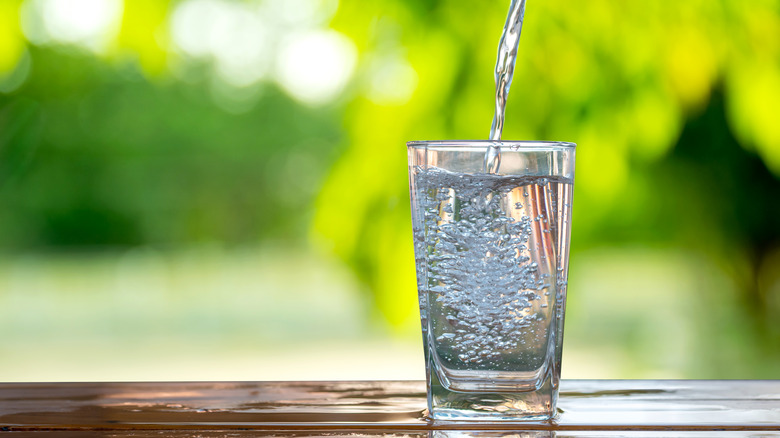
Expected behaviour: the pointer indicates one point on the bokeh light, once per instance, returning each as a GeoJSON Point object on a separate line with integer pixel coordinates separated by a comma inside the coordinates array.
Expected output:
{"type": "Point", "coordinates": [315, 66]}
{"type": "Point", "coordinates": [234, 35]}
{"type": "Point", "coordinates": [89, 23]}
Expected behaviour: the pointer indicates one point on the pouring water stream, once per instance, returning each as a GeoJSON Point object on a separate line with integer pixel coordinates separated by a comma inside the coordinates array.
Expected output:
{"type": "Point", "coordinates": [505, 68]}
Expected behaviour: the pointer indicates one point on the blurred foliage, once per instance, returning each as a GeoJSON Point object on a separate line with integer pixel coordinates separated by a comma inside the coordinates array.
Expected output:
{"type": "Point", "coordinates": [95, 156]}
{"type": "Point", "coordinates": [143, 31]}
{"type": "Point", "coordinates": [674, 106]}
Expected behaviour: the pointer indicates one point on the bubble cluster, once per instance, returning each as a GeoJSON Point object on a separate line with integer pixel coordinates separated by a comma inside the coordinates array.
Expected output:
{"type": "Point", "coordinates": [486, 258]}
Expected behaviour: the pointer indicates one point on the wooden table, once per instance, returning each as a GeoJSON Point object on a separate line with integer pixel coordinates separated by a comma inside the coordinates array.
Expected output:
{"type": "Point", "coordinates": [589, 408]}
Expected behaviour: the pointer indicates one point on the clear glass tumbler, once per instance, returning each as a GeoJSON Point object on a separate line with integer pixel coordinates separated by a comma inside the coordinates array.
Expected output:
{"type": "Point", "coordinates": [492, 256]}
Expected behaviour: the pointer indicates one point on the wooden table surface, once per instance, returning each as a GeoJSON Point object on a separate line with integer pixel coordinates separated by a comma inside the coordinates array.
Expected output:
{"type": "Point", "coordinates": [588, 408]}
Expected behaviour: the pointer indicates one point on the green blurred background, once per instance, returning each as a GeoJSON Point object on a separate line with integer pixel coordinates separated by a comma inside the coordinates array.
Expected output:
{"type": "Point", "coordinates": [216, 189]}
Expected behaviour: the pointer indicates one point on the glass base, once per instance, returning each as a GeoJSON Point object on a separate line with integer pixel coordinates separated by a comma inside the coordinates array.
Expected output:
{"type": "Point", "coordinates": [535, 405]}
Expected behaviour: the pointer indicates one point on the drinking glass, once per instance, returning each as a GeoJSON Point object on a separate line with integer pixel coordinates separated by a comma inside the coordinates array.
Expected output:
{"type": "Point", "coordinates": [491, 253]}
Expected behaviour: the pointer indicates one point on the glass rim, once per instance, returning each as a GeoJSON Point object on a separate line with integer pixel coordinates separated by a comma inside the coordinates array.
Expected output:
{"type": "Point", "coordinates": [512, 144]}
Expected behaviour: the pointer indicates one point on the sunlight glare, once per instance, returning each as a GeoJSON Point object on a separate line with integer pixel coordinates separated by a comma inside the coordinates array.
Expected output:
{"type": "Point", "coordinates": [314, 66]}
{"type": "Point", "coordinates": [233, 35]}
{"type": "Point", "coordinates": [190, 24]}
{"type": "Point", "coordinates": [89, 23]}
